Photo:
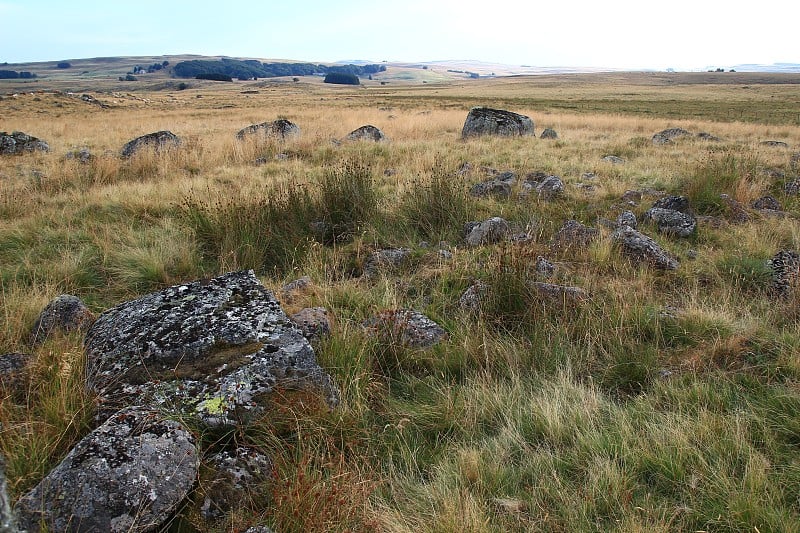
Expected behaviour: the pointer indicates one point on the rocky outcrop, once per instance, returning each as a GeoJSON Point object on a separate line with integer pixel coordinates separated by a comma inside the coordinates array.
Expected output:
{"type": "Point", "coordinates": [212, 349]}
{"type": "Point", "coordinates": [489, 231]}
{"type": "Point", "coordinates": [366, 133]}
{"type": "Point", "coordinates": [767, 202]}
{"type": "Point", "coordinates": [627, 218]}
{"type": "Point", "coordinates": [313, 322]}
{"type": "Point", "coordinates": [641, 248]}
{"type": "Point", "coordinates": [775, 144]}
{"type": "Point", "coordinates": [560, 293]}
{"type": "Point", "coordinates": [573, 234]}
{"type": "Point", "coordinates": [674, 203]}
{"type": "Point", "coordinates": [128, 475]}
{"type": "Point", "coordinates": [405, 327]}
{"type": "Point", "coordinates": [785, 266]}
{"type": "Point", "coordinates": [486, 121]}
{"type": "Point", "coordinates": [499, 187]}
{"type": "Point", "coordinates": [277, 129]}
{"type": "Point", "coordinates": [157, 141]}
{"type": "Point", "coordinates": [20, 143]}
{"type": "Point", "coordinates": [471, 298]}
{"type": "Point", "coordinates": [613, 159]}
{"type": "Point", "coordinates": [792, 187]}
{"type": "Point", "coordinates": [83, 156]}
{"type": "Point", "coordinates": [237, 474]}
{"type": "Point", "coordinates": [292, 290]}
{"type": "Point", "coordinates": [388, 260]}
{"type": "Point", "coordinates": [65, 313]}
{"type": "Point", "coordinates": [549, 133]}
{"type": "Point", "coordinates": [666, 136]}
{"type": "Point", "coordinates": [672, 222]}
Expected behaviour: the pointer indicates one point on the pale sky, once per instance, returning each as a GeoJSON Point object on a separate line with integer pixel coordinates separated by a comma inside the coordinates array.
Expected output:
{"type": "Point", "coordinates": [633, 34]}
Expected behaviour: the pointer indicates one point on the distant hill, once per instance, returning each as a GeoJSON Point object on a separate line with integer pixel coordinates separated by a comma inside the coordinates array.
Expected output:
{"type": "Point", "coordinates": [790, 68]}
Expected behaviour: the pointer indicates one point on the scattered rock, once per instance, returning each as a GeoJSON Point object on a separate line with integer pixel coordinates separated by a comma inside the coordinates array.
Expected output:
{"type": "Point", "coordinates": [785, 267]}
{"type": "Point", "coordinates": [65, 313]}
{"type": "Point", "coordinates": [544, 267]}
{"type": "Point", "coordinates": [157, 141]}
{"type": "Point", "coordinates": [776, 144]}
{"type": "Point", "coordinates": [549, 133]}
{"type": "Point", "coordinates": [389, 172]}
{"type": "Point", "coordinates": [388, 260]}
{"type": "Point", "coordinates": [632, 197]}
{"type": "Point", "coordinates": [497, 188]}
{"type": "Point", "coordinates": [767, 202]}
{"type": "Point", "coordinates": [406, 327]}
{"type": "Point", "coordinates": [627, 218]}
{"type": "Point", "coordinates": [550, 188]}
{"type": "Point", "coordinates": [613, 159]}
{"type": "Point", "coordinates": [128, 475]}
{"type": "Point", "coordinates": [792, 187]}
{"type": "Point", "coordinates": [313, 322]}
{"type": "Point", "coordinates": [277, 129]}
{"type": "Point", "coordinates": [794, 161]}
{"type": "Point", "coordinates": [561, 293]}
{"type": "Point", "coordinates": [291, 290]}
{"type": "Point", "coordinates": [236, 475]}
{"type": "Point", "coordinates": [486, 121]}
{"type": "Point", "coordinates": [573, 234]}
{"type": "Point", "coordinates": [214, 349]}
{"type": "Point", "coordinates": [672, 222]}
{"type": "Point", "coordinates": [366, 133]}
{"type": "Point", "coordinates": [471, 299]}
{"type": "Point", "coordinates": [639, 247]}
{"type": "Point", "coordinates": [703, 136]}
{"type": "Point", "coordinates": [666, 136]}
{"type": "Point", "coordinates": [588, 176]}
{"type": "Point", "coordinates": [19, 143]}
{"type": "Point", "coordinates": [83, 156]}
{"type": "Point", "coordinates": [12, 371]}
{"type": "Point", "coordinates": [736, 211]}
{"type": "Point", "coordinates": [489, 231]}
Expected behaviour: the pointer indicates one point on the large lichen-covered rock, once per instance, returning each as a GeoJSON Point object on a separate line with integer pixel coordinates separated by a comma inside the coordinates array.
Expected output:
{"type": "Point", "coordinates": [672, 222]}
{"type": "Point", "coordinates": [19, 143]}
{"type": "Point", "coordinates": [65, 313]}
{"type": "Point", "coordinates": [639, 247]}
{"type": "Point", "coordinates": [128, 475]}
{"type": "Point", "coordinates": [277, 129]}
{"type": "Point", "coordinates": [487, 121]}
{"type": "Point", "coordinates": [366, 133]}
{"type": "Point", "coordinates": [215, 349]}
{"type": "Point", "coordinates": [157, 141]}
{"type": "Point", "coordinates": [489, 231]}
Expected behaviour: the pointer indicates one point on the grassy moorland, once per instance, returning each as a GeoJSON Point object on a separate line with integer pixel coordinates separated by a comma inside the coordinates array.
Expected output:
{"type": "Point", "coordinates": [667, 401]}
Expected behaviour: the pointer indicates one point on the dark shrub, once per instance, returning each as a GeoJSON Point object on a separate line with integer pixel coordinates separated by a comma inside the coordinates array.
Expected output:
{"type": "Point", "coordinates": [64, 64]}
{"type": "Point", "coordinates": [342, 78]}
{"type": "Point", "coordinates": [214, 76]}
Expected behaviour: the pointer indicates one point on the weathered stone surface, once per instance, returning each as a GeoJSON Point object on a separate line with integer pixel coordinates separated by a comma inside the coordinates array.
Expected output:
{"type": "Point", "coordinates": [214, 348]}
{"type": "Point", "coordinates": [767, 202]}
{"type": "Point", "coordinates": [785, 266]}
{"type": "Point", "coordinates": [631, 197]}
{"type": "Point", "coordinates": [550, 188]}
{"type": "Point", "coordinates": [366, 133]}
{"type": "Point", "coordinates": [496, 188]}
{"type": "Point", "coordinates": [672, 222]}
{"type": "Point", "coordinates": [236, 475]}
{"type": "Point", "coordinates": [549, 133]}
{"type": "Point", "coordinates": [792, 187]}
{"type": "Point", "coordinates": [641, 248]}
{"type": "Point", "coordinates": [290, 291]}
{"type": "Point", "coordinates": [277, 129]}
{"type": "Point", "coordinates": [13, 367]}
{"type": "Point", "coordinates": [8, 522]}
{"type": "Point", "coordinates": [19, 143]}
{"type": "Point", "coordinates": [627, 218]}
{"type": "Point", "coordinates": [544, 267]}
{"type": "Point", "coordinates": [128, 475]}
{"type": "Point", "coordinates": [775, 144]}
{"type": "Point", "coordinates": [666, 136]}
{"type": "Point", "coordinates": [736, 211]}
{"type": "Point", "coordinates": [487, 121]}
{"type": "Point", "coordinates": [613, 159]}
{"type": "Point", "coordinates": [573, 234]}
{"type": "Point", "coordinates": [794, 161]}
{"type": "Point", "coordinates": [674, 203]}
{"type": "Point", "coordinates": [388, 260]}
{"type": "Point", "coordinates": [157, 141]}
{"type": "Point", "coordinates": [489, 231]}
{"type": "Point", "coordinates": [313, 322]}
{"type": "Point", "coordinates": [82, 155]}
{"type": "Point", "coordinates": [704, 136]}
{"type": "Point", "coordinates": [405, 327]}
{"type": "Point", "coordinates": [66, 313]}
{"type": "Point", "coordinates": [561, 293]}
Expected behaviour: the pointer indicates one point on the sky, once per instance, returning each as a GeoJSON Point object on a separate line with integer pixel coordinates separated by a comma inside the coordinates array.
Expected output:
{"type": "Point", "coordinates": [629, 34]}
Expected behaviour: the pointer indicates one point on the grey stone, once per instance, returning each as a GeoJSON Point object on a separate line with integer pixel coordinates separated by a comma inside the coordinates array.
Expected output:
{"type": "Point", "coordinates": [550, 188]}
{"type": "Point", "coordinates": [128, 475]}
{"type": "Point", "coordinates": [18, 143]}
{"type": "Point", "coordinates": [561, 293]}
{"type": "Point", "coordinates": [8, 521]}
{"type": "Point", "coordinates": [82, 155]}
{"type": "Point", "coordinates": [785, 266]}
{"type": "Point", "coordinates": [794, 161]}
{"type": "Point", "coordinates": [736, 211]}
{"type": "Point", "coordinates": [489, 231]}
{"type": "Point", "coordinates": [672, 222]}
{"type": "Point", "coordinates": [549, 133]}
{"type": "Point", "coordinates": [277, 129]}
{"type": "Point", "coordinates": [157, 141]}
{"type": "Point", "coordinates": [775, 144]}
{"type": "Point", "coordinates": [613, 159]}
{"type": "Point", "coordinates": [496, 188]}
{"type": "Point", "coordinates": [487, 121]}
{"type": "Point", "coordinates": [792, 187]}
{"type": "Point", "coordinates": [674, 203]}
{"type": "Point", "coordinates": [214, 349]}
{"type": "Point", "coordinates": [388, 260]}
{"type": "Point", "coordinates": [471, 299]}
{"type": "Point", "coordinates": [65, 313]}
{"type": "Point", "coordinates": [641, 248]}
{"type": "Point", "coordinates": [13, 367]}
{"type": "Point", "coordinates": [366, 133]}
{"type": "Point", "coordinates": [632, 197]}
{"type": "Point", "coordinates": [627, 218]}
{"type": "Point", "coordinates": [544, 267]}
{"type": "Point", "coordinates": [573, 234]}
{"type": "Point", "coordinates": [703, 136]}
{"type": "Point", "coordinates": [291, 290]}
{"type": "Point", "coordinates": [666, 136]}
{"type": "Point", "coordinates": [767, 202]}
{"type": "Point", "coordinates": [405, 327]}
{"type": "Point", "coordinates": [313, 322]}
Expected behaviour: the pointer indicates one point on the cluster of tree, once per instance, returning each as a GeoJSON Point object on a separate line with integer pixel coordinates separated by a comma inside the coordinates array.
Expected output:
{"type": "Point", "coordinates": [254, 69]}
{"type": "Point", "coordinates": [722, 70]}
{"type": "Point", "coordinates": [150, 69]}
{"type": "Point", "coordinates": [13, 75]}
{"type": "Point", "coordinates": [214, 76]}
{"type": "Point", "coordinates": [64, 64]}
{"type": "Point", "coordinates": [342, 78]}
{"type": "Point", "coordinates": [128, 77]}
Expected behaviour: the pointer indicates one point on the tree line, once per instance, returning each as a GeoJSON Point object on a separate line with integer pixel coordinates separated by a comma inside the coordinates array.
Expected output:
{"type": "Point", "coordinates": [253, 69]}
